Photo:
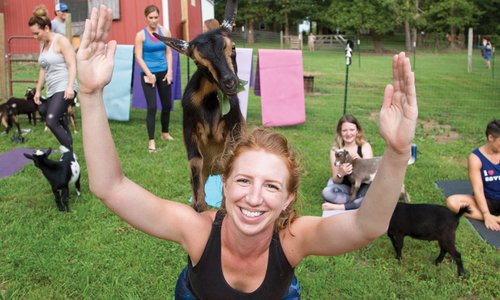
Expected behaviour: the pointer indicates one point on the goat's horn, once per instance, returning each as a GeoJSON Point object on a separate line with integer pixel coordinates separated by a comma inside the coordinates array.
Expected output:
{"type": "Point", "coordinates": [180, 46]}
{"type": "Point", "coordinates": [230, 15]}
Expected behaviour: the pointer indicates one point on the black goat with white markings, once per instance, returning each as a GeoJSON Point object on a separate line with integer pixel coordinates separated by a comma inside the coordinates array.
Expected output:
{"type": "Point", "coordinates": [59, 173]}
{"type": "Point", "coordinates": [207, 130]}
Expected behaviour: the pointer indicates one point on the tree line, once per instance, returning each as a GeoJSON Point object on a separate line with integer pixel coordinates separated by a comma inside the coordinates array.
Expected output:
{"type": "Point", "coordinates": [377, 18]}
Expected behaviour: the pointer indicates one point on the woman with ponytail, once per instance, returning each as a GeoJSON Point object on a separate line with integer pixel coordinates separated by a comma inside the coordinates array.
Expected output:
{"type": "Point", "coordinates": [57, 72]}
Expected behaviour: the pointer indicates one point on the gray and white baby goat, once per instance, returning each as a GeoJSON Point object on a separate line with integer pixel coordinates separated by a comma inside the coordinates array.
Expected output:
{"type": "Point", "coordinates": [363, 171]}
{"type": "Point", "coordinates": [59, 173]}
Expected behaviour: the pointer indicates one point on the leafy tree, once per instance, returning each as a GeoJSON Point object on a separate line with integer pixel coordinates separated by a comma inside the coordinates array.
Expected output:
{"type": "Point", "coordinates": [378, 17]}
{"type": "Point", "coordinates": [452, 17]}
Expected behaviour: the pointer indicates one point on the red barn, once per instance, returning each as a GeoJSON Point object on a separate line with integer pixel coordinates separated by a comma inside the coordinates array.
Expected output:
{"type": "Point", "coordinates": [182, 17]}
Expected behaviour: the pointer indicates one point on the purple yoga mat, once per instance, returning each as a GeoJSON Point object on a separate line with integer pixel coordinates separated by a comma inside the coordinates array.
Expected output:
{"type": "Point", "coordinates": [138, 100]}
{"type": "Point", "coordinates": [13, 161]}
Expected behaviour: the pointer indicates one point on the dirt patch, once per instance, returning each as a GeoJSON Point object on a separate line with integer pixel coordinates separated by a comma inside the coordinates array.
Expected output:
{"type": "Point", "coordinates": [442, 133]}
{"type": "Point", "coordinates": [374, 116]}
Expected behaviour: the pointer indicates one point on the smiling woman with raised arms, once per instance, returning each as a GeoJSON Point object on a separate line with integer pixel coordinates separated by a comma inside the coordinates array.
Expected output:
{"type": "Point", "coordinates": [250, 248]}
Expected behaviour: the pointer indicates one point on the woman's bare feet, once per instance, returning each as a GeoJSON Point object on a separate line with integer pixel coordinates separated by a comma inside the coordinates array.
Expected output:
{"type": "Point", "coordinates": [166, 136]}
{"type": "Point", "coordinates": [152, 146]}
{"type": "Point", "coordinates": [331, 206]}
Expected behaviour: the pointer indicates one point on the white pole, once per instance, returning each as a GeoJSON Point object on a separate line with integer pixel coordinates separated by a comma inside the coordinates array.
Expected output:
{"type": "Point", "coordinates": [469, 54]}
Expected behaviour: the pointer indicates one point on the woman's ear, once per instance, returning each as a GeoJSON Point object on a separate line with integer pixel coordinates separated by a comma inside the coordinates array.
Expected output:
{"type": "Point", "coordinates": [288, 201]}
{"type": "Point", "coordinates": [224, 183]}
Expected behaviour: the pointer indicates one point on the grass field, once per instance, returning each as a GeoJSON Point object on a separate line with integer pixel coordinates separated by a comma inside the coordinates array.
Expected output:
{"type": "Point", "coordinates": [91, 254]}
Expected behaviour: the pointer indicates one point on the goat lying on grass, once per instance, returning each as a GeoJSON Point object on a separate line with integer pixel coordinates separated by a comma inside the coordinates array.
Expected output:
{"type": "Point", "coordinates": [208, 130]}
{"type": "Point", "coordinates": [59, 173]}
{"type": "Point", "coordinates": [25, 106]}
{"type": "Point", "coordinates": [427, 222]}
{"type": "Point", "coordinates": [363, 171]}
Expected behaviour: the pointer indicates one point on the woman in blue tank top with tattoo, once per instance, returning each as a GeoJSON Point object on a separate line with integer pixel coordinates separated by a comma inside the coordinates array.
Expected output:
{"type": "Point", "coordinates": [251, 247]}
{"type": "Point", "coordinates": [484, 176]}
{"type": "Point", "coordinates": [155, 60]}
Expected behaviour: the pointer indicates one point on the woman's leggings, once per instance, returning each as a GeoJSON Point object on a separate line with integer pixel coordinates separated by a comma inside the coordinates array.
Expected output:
{"type": "Point", "coordinates": [57, 119]}
{"type": "Point", "coordinates": [165, 98]}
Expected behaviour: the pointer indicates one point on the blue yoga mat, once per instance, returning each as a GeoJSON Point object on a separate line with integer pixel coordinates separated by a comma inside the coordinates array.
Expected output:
{"type": "Point", "coordinates": [213, 191]}
{"type": "Point", "coordinates": [117, 92]}
{"type": "Point", "coordinates": [453, 187]}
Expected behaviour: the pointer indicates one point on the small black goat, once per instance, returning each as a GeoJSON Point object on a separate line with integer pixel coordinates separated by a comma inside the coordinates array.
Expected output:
{"type": "Point", "coordinates": [207, 131]}
{"type": "Point", "coordinates": [427, 222]}
{"type": "Point", "coordinates": [59, 173]}
{"type": "Point", "coordinates": [25, 106]}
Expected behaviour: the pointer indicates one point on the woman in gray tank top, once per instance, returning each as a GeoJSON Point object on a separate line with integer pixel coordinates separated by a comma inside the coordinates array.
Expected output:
{"type": "Point", "coordinates": [57, 72]}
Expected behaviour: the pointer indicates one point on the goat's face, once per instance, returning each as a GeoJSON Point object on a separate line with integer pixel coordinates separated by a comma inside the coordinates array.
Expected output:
{"type": "Point", "coordinates": [213, 52]}
{"type": "Point", "coordinates": [342, 156]}
{"type": "Point", "coordinates": [38, 156]}
{"type": "Point", "coordinates": [30, 93]}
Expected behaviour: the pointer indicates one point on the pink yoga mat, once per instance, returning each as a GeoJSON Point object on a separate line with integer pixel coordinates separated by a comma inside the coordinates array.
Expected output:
{"type": "Point", "coordinates": [280, 82]}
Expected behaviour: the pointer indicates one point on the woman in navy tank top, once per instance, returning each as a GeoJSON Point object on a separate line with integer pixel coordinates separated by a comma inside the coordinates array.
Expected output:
{"type": "Point", "coordinates": [250, 248]}
{"type": "Point", "coordinates": [155, 60]}
{"type": "Point", "coordinates": [484, 176]}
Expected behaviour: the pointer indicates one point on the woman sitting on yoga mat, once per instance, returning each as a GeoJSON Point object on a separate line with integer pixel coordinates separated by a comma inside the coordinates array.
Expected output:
{"type": "Point", "coordinates": [484, 176]}
{"type": "Point", "coordinates": [251, 247]}
{"type": "Point", "coordinates": [337, 192]}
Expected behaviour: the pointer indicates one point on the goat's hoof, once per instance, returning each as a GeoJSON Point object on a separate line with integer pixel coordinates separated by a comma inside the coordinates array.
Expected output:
{"type": "Point", "coordinates": [200, 207]}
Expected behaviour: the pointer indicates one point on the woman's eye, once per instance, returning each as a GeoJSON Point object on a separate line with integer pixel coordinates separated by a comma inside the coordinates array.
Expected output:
{"type": "Point", "coordinates": [273, 187]}
{"type": "Point", "coordinates": [242, 180]}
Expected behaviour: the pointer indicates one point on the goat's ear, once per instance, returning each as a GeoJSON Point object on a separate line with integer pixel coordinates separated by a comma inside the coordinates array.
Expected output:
{"type": "Point", "coordinates": [48, 152]}
{"type": "Point", "coordinates": [28, 156]}
{"type": "Point", "coordinates": [180, 46]}
{"type": "Point", "coordinates": [229, 15]}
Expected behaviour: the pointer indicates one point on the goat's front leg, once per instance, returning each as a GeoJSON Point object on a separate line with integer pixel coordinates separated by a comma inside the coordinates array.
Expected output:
{"type": "Point", "coordinates": [196, 166]}
{"type": "Point", "coordinates": [397, 243]}
{"type": "Point", "coordinates": [354, 190]}
{"type": "Point", "coordinates": [57, 198]}
{"type": "Point", "coordinates": [197, 184]}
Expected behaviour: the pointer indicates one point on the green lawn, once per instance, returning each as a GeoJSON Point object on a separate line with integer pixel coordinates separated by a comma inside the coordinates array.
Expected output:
{"type": "Point", "coordinates": [91, 254]}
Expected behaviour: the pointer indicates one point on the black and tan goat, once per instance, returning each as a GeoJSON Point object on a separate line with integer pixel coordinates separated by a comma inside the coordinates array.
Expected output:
{"type": "Point", "coordinates": [25, 106]}
{"type": "Point", "coordinates": [363, 171]}
{"type": "Point", "coordinates": [207, 131]}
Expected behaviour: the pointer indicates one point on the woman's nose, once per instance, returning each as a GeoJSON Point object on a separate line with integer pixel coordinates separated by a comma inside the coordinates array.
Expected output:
{"type": "Point", "coordinates": [254, 196]}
